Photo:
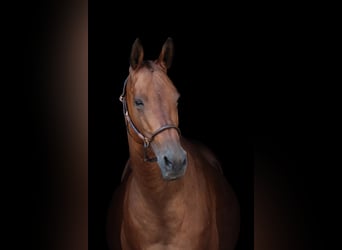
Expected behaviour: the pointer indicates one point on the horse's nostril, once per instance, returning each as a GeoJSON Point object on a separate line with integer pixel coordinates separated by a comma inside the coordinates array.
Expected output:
{"type": "Point", "coordinates": [167, 162]}
{"type": "Point", "coordinates": [174, 164]}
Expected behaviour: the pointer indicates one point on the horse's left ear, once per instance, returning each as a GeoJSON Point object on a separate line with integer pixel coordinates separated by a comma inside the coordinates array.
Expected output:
{"type": "Point", "coordinates": [166, 54]}
{"type": "Point", "coordinates": [137, 54]}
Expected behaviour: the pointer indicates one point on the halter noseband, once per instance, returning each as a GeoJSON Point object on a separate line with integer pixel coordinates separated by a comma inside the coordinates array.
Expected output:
{"type": "Point", "coordinates": [146, 140]}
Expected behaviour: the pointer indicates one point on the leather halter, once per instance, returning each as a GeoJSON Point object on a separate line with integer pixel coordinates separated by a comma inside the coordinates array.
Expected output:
{"type": "Point", "coordinates": [146, 140]}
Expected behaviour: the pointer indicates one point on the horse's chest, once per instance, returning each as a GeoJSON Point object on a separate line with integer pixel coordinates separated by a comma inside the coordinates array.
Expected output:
{"type": "Point", "coordinates": [193, 230]}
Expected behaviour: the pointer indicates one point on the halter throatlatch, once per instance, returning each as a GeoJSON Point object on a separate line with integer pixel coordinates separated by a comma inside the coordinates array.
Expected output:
{"type": "Point", "coordinates": [146, 140]}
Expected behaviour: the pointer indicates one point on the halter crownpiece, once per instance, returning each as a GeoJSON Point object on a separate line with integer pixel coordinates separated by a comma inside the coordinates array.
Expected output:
{"type": "Point", "coordinates": [146, 140]}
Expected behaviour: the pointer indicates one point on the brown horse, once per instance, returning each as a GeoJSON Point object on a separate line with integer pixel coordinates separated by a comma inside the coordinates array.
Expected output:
{"type": "Point", "coordinates": [173, 193]}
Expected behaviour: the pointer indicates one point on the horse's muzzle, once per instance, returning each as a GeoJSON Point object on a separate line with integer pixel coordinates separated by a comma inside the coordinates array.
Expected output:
{"type": "Point", "coordinates": [173, 164]}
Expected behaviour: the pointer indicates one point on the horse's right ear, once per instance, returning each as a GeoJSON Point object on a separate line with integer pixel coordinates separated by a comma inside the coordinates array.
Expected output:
{"type": "Point", "coordinates": [137, 54]}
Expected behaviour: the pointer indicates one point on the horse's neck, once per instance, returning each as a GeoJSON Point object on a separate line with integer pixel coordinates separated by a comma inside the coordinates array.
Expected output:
{"type": "Point", "coordinates": [160, 198]}
{"type": "Point", "coordinates": [147, 183]}
{"type": "Point", "coordinates": [154, 202]}
{"type": "Point", "coordinates": [147, 186]}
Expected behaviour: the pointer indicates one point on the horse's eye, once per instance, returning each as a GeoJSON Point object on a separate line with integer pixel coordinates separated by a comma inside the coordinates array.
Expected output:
{"type": "Point", "coordinates": [139, 103]}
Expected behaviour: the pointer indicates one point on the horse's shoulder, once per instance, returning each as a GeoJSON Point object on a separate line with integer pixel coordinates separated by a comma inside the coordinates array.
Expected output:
{"type": "Point", "coordinates": [227, 213]}
{"type": "Point", "coordinates": [115, 211]}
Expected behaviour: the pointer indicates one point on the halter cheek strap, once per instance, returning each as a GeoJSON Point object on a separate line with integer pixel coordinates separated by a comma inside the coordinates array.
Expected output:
{"type": "Point", "coordinates": [146, 140]}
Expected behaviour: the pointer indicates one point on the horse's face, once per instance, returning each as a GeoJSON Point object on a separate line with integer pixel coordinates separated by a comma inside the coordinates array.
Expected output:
{"type": "Point", "coordinates": [152, 104]}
